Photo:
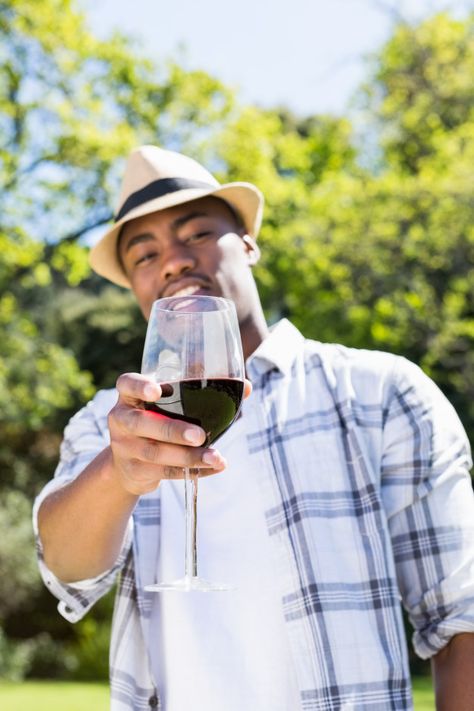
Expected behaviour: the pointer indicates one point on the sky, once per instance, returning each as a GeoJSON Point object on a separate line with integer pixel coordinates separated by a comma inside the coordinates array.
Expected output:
{"type": "Point", "coordinates": [309, 55]}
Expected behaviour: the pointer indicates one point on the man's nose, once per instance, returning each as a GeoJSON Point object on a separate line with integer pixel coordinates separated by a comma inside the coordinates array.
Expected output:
{"type": "Point", "coordinates": [176, 260]}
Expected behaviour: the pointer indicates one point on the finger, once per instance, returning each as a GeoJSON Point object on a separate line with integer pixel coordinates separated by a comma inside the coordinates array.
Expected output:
{"type": "Point", "coordinates": [134, 387]}
{"type": "Point", "coordinates": [153, 425]}
{"type": "Point", "coordinates": [163, 454]}
{"type": "Point", "coordinates": [150, 451]}
{"type": "Point", "coordinates": [141, 478]}
{"type": "Point", "coordinates": [177, 473]}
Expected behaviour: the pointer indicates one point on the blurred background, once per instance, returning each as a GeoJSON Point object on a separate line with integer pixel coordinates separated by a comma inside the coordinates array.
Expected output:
{"type": "Point", "coordinates": [355, 118]}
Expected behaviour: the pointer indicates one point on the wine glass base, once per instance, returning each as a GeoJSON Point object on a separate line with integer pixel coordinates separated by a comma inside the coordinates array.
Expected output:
{"type": "Point", "coordinates": [189, 585]}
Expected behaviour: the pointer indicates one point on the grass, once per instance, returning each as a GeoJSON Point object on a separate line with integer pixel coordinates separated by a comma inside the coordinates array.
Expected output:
{"type": "Point", "coordinates": [423, 694]}
{"type": "Point", "coordinates": [71, 696]}
{"type": "Point", "coordinates": [54, 696]}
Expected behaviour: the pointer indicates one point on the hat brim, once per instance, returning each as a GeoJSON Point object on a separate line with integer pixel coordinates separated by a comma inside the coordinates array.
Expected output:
{"type": "Point", "coordinates": [244, 198]}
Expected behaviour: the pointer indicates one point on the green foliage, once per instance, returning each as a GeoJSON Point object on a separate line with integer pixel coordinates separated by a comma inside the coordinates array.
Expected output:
{"type": "Point", "coordinates": [90, 650]}
{"type": "Point", "coordinates": [17, 558]}
{"type": "Point", "coordinates": [14, 658]}
{"type": "Point", "coordinates": [105, 331]}
{"type": "Point", "coordinates": [288, 159]}
{"type": "Point", "coordinates": [38, 378]}
{"type": "Point", "coordinates": [378, 257]}
{"type": "Point", "coordinates": [48, 658]}
{"type": "Point", "coordinates": [71, 105]}
{"type": "Point", "coordinates": [423, 87]}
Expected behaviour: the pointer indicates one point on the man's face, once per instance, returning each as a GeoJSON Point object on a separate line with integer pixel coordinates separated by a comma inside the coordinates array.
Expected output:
{"type": "Point", "coordinates": [194, 248]}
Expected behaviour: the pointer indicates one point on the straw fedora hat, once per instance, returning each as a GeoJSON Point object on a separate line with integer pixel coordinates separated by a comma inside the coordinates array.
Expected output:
{"type": "Point", "coordinates": [156, 179]}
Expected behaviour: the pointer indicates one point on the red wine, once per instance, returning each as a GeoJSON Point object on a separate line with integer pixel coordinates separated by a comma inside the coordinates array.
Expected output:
{"type": "Point", "coordinates": [212, 404]}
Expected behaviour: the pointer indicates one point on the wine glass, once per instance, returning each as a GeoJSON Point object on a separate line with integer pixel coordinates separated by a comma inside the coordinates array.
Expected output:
{"type": "Point", "coordinates": [193, 350]}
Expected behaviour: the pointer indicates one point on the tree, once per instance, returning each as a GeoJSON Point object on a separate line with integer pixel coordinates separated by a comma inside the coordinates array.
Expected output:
{"type": "Point", "coordinates": [422, 87]}
{"type": "Point", "coordinates": [70, 107]}
{"type": "Point", "coordinates": [377, 254]}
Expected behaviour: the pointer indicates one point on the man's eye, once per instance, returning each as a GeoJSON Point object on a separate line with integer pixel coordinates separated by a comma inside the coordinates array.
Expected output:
{"type": "Point", "coordinates": [197, 236]}
{"type": "Point", "coordinates": [145, 258]}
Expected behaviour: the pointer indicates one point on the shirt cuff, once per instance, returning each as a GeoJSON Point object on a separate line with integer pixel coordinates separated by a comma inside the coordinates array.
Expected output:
{"type": "Point", "coordinates": [76, 599]}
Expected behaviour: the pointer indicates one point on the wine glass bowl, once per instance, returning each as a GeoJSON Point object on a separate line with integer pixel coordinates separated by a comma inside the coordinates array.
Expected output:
{"type": "Point", "coordinates": [193, 350]}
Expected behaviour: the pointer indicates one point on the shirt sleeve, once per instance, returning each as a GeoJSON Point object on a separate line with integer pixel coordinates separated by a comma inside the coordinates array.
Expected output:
{"type": "Point", "coordinates": [429, 499]}
{"type": "Point", "coordinates": [85, 437]}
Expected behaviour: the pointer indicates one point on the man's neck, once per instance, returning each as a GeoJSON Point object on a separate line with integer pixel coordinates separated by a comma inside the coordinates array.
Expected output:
{"type": "Point", "coordinates": [253, 332]}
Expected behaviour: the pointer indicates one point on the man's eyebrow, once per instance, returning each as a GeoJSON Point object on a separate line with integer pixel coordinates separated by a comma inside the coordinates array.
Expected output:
{"type": "Point", "coordinates": [180, 221]}
{"type": "Point", "coordinates": [136, 239]}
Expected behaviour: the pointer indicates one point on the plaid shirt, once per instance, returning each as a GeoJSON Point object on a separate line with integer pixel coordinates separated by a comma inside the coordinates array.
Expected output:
{"type": "Point", "coordinates": [363, 466]}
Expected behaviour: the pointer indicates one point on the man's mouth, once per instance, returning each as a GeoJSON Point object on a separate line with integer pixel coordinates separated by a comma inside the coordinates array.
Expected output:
{"type": "Point", "coordinates": [189, 289]}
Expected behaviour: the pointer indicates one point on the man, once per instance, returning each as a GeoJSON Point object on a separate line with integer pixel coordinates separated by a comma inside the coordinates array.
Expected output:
{"type": "Point", "coordinates": [346, 486]}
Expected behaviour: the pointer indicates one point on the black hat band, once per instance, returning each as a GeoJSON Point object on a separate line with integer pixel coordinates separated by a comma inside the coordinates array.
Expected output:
{"type": "Point", "coordinates": [159, 188]}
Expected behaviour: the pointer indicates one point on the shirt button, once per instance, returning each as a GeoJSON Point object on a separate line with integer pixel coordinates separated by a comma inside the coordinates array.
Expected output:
{"type": "Point", "coordinates": [153, 701]}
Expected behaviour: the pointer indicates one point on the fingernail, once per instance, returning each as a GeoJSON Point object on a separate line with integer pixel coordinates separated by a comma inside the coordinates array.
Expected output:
{"type": "Point", "coordinates": [192, 435]}
{"type": "Point", "coordinates": [214, 459]}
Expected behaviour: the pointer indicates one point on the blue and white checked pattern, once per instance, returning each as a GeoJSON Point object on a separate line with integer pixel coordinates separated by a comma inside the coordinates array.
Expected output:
{"type": "Point", "coordinates": [363, 466]}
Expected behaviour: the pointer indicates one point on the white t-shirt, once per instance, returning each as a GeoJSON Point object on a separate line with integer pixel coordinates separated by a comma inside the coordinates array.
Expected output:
{"type": "Point", "coordinates": [223, 650]}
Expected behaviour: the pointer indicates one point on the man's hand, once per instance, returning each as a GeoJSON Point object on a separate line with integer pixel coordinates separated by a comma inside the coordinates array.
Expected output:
{"type": "Point", "coordinates": [83, 524]}
{"type": "Point", "coordinates": [148, 447]}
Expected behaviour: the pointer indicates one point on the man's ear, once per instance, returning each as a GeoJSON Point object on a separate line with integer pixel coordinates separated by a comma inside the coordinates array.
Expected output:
{"type": "Point", "coordinates": [252, 248]}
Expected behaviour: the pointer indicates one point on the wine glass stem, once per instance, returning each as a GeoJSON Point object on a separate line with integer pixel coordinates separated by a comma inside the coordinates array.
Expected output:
{"type": "Point", "coordinates": [190, 499]}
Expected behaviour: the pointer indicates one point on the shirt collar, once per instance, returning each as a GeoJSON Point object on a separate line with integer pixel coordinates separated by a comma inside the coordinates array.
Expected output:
{"type": "Point", "coordinates": [278, 350]}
